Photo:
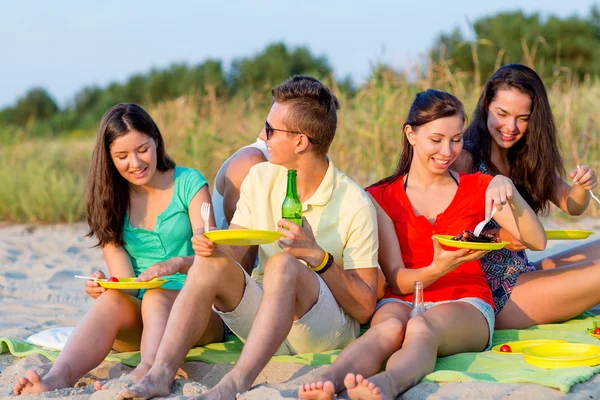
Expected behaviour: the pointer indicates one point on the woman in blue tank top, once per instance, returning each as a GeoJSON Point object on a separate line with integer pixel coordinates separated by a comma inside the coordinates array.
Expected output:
{"type": "Point", "coordinates": [143, 210]}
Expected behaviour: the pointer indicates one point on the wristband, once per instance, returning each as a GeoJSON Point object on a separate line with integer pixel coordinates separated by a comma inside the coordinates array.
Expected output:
{"type": "Point", "coordinates": [328, 264]}
{"type": "Point", "coordinates": [323, 263]}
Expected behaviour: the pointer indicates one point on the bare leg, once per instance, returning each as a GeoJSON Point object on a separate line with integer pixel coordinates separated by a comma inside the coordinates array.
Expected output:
{"type": "Point", "coordinates": [289, 291]}
{"type": "Point", "coordinates": [384, 337]}
{"type": "Point", "coordinates": [552, 295]}
{"type": "Point", "coordinates": [443, 330]}
{"type": "Point", "coordinates": [586, 252]}
{"type": "Point", "coordinates": [115, 318]}
{"type": "Point", "coordinates": [156, 308]}
{"type": "Point", "coordinates": [215, 280]}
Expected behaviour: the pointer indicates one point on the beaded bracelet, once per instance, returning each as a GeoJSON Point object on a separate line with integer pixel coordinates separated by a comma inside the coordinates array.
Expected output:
{"type": "Point", "coordinates": [328, 264]}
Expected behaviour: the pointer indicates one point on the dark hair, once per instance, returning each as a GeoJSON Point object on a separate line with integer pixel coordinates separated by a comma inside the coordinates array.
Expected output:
{"type": "Point", "coordinates": [535, 160]}
{"type": "Point", "coordinates": [107, 192]}
{"type": "Point", "coordinates": [428, 106]}
{"type": "Point", "coordinates": [313, 109]}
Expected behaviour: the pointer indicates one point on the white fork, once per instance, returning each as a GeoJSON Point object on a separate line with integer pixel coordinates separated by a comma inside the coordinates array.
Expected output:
{"type": "Point", "coordinates": [592, 193]}
{"type": "Point", "coordinates": [205, 213]}
{"type": "Point", "coordinates": [483, 223]}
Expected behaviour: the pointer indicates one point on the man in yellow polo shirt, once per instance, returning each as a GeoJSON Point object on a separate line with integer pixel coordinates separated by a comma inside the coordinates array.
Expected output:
{"type": "Point", "coordinates": [313, 287]}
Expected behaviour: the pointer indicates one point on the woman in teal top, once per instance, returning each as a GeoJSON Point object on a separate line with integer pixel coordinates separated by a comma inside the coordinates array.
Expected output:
{"type": "Point", "coordinates": [143, 210]}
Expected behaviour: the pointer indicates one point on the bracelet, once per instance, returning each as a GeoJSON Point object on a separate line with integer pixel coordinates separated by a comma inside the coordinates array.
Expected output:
{"type": "Point", "coordinates": [327, 265]}
{"type": "Point", "coordinates": [323, 263]}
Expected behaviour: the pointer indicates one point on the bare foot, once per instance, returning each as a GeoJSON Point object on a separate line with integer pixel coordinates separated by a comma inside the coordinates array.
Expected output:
{"type": "Point", "coordinates": [156, 385]}
{"type": "Point", "coordinates": [360, 388]}
{"type": "Point", "coordinates": [129, 379]}
{"type": "Point", "coordinates": [317, 391]}
{"type": "Point", "coordinates": [228, 388]}
{"type": "Point", "coordinates": [33, 384]}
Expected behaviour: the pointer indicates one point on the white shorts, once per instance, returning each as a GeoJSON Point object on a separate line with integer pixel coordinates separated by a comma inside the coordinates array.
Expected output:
{"type": "Point", "coordinates": [326, 326]}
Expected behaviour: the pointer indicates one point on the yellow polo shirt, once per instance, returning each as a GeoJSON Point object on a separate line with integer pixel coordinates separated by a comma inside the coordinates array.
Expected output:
{"type": "Point", "coordinates": [342, 217]}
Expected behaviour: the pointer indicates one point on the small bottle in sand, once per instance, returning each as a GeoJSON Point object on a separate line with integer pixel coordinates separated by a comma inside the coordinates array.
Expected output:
{"type": "Point", "coordinates": [418, 307]}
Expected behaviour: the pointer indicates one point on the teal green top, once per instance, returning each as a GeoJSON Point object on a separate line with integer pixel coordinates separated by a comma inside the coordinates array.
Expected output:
{"type": "Point", "coordinates": [172, 230]}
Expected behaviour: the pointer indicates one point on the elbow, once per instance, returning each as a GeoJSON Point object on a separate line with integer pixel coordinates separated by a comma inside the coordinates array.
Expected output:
{"type": "Point", "coordinates": [539, 245]}
{"type": "Point", "coordinates": [366, 312]}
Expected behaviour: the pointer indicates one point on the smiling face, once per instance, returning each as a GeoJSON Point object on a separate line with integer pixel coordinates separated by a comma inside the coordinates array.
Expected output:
{"type": "Point", "coordinates": [437, 144]}
{"type": "Point", "coordinates": [508, 117]}
{"type": "Point", "coordinates": [134, 156]}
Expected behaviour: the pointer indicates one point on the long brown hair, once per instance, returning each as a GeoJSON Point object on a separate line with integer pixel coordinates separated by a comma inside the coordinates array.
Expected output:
{"type": "Point", "coordinates": [107, 192]}
{"type": "Point", "coordinates": [535, 160]}
{"type": "Point", "coordinates": [428, 106]}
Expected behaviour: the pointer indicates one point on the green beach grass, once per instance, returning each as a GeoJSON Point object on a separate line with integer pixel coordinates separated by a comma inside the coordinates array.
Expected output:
{"type": "Point", "coordinates": [43, 179]}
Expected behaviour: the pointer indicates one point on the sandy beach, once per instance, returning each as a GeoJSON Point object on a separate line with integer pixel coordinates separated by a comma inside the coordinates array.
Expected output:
{"type": "Point", "coordinates": [37, 292]}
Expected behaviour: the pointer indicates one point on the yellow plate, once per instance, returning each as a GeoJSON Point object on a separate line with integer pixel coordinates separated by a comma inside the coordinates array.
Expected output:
{"type": "Point", "coordinates": [568, 234]}
{"type": "Point", "coordinates": [130, 283]}
{"type": "Point", "coordinates": [596, 336]}
{"type": "Point", "coordinates": [446, 241]}
{"type": "Point", "coordinates": [242, 237]}
{"type": "Point", "coordinates": [562, 355]}
{"type": "Point", "coordinates": [517, 347]}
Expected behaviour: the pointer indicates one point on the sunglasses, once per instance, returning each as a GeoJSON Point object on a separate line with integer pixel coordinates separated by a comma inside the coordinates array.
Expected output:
{"type": "Point", "coordinates": [269, 132]}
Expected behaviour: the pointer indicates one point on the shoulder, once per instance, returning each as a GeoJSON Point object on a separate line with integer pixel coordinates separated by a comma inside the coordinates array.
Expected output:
{"type": "Point", "coordinates": [475, 181]}
{"type": "Point", "coordinates": [188, 174]}
{"type": "Point", "coordinates": [264, 174]}
{"type": "Point", "coordinates": [352, 192]}
{"type": "Point", "coordinates": [464, 162]}
{"type": "Point", "coordinates": [244, 160]}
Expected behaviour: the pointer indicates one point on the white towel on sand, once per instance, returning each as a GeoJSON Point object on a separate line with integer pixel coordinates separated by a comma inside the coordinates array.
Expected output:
{"type": "Point", "coordinates": [53, 339]}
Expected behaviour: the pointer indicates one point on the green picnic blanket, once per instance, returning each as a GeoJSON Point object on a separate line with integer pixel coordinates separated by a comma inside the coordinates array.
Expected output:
{"type": "Point", "coordinates": [466, 367]}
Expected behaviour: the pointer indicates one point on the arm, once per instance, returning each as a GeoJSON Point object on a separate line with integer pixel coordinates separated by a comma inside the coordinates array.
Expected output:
{"type": "Point", "coordinates": [401, 279]}
{"type": "Point", "coordinates": [575, 199]}
{"type": "Point", "coordinates": [518, 218]}
{"type": "Point", "coordinates": [236, 172]}
{"type": "Point", "coordinates": [354, 289]}
{"type": "Point", "coordinates": [119, 265]}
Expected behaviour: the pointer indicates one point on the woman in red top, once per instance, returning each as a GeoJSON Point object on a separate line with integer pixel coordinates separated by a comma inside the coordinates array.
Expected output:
{"type": "Point", "coordinates": [422, 198]}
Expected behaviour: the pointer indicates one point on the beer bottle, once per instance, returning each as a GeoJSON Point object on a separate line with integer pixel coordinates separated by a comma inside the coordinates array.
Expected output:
{"type": "Point", "coordinates": [418, 307]}
{"type": "Point", "coordinates": [291, 209]}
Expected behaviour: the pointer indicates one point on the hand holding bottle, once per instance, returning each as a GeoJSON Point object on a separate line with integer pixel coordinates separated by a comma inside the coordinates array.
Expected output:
{"type": "Point", "coordinates": [300, 241]}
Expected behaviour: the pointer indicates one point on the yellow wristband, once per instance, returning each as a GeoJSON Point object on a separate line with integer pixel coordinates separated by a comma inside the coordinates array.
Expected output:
{"type": "Point", "coordinates": [323, 263]}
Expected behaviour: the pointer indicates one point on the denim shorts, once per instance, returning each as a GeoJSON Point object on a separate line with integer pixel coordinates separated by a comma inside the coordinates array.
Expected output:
{"type": "Point", "coordinates": [482, 306]}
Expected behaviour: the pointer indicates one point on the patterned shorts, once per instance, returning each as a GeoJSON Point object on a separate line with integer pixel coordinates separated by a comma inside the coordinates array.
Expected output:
{"type": "Point", "coordinates": [502, 269]}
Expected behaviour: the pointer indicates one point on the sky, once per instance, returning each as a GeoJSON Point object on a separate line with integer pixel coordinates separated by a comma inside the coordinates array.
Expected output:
{"type": "Point", "coordinates": [64, 46]}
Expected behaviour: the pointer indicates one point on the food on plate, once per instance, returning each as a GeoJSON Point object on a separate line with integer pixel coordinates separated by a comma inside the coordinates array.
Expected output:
{"type": "Point", "coordinates": [505, 348]}
{"type": "Point", "coordinates": [484, 237]}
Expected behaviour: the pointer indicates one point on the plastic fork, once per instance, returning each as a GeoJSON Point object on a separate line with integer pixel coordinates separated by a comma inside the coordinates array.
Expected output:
{"type": "Point", "coordinates": [205, 213]}
{"type": "Point", "coordinates": [592, 193]}
{"type": "Point", "coordinates": [483, 223]}
{"type": "Point", "coordinates": [91, 278]}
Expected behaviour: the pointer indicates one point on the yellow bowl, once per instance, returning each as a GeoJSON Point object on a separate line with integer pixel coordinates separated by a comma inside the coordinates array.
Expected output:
{"type": "Point", "coordinates": [518, 346]}
{"type": "Point", "coordinates": [446, 241]}
{"type": "Point", "coordinates": [562, 355]}
{"type": "Point", "coordinates": [130, 283]}
{"type": "Point", "coordinates": [242, 237]}
{"type": "Point", "coordinates": [568, 234]}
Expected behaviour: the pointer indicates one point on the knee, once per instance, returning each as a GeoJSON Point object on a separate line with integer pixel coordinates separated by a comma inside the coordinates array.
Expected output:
{"type": "Point", "coordinates": [391, 332]}
{"type": "Point", "coordinates": [281, 265]}
{"type": "Point", "coordinates": [205, 268]}
{"type": "Point", "coordinates": [113, 300]}
{"type": "Point", "coordinates": [419, 326]}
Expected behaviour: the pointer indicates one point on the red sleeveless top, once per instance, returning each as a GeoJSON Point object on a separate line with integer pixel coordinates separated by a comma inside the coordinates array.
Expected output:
{"type": "Point", "coordinates": [414, 233]}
